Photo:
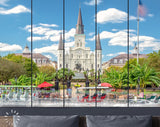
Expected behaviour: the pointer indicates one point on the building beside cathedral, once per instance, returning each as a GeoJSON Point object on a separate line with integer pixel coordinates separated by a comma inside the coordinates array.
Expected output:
{"type": "Point", "coordinates": [80, 58]}
{"type": "Point", "coordinates": [38, 58]}
{"type": "Point", "coordinates": [121, 59]}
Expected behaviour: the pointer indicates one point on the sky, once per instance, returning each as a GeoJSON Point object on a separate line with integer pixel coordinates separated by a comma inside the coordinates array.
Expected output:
{"type": "Point", "coordinates": [15, 25]}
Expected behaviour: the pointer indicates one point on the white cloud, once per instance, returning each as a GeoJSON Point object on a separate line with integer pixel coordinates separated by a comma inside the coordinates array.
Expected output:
{"type": "Point", "coordinates": [49, 56]}
{"type": "Point", "coordinates": [68, 35]}
{"type": "Point", "coordinates": [135, 18]}
{"type": "Point", "coordinates": [37, 38]}
{"type": "Point", "coordinates": [110, 54]}
{"type": "Point", "coordinates": [45, 33]}
{"type": "Point", "coordinates": [149, 42]}
{"type": "Point", "coordinates": [53, 49]}
{"type": "Point", "coordinates": [48, 49]}
{"type": "Point", "coordinates": [91, 34]}
{"type": "Point", "coordinates": [119, 38]}
{"type": "Point", "coordinates": [48, 25]}
{"type": "Point", "coordinates": [6, 47]}
{"type": "Point", "coordinates": [16, 10]}
{"type": "Point", "coordinates": [114, 29]}
{"type": "Point", "coordinates": [39, 30]}
{"type": "Point", "coordinates": [4, 2]}
{"type": "Point", "coordinates": [150, 15]}
{"type": "Point", "coordinates": [113, 15]}
{"type": "Point", "coordinates": [121, 53]}
{"type": "Point", "coordinates": [92, 2]}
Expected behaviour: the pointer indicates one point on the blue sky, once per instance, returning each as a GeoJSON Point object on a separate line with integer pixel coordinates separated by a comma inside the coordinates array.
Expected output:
{"type": "Point", "coordinates": [15, 20]}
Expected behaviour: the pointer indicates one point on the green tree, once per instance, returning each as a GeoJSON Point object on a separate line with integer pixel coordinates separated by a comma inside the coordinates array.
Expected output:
{"type": "Point", "coordinates": [26, 62]}
{"type": "Point", "coordinates": [142, 61]}
{"type": "Point", "coordinates": [9, 69]}
{"type": "Point", "coordinates": [146, 74]}
{"type": "Point", "coordinates": [48, 71]}
{"type": "Point", "coordinates": [154, 60]}
{"type": "Point", "coordinates": [117, 78]}
{"type": "Point", "coordinates": [40, 78]}
{"type": "Point", "coordinates": [68, 74]}
{"type": "Point", "coordinates": [22, 80]}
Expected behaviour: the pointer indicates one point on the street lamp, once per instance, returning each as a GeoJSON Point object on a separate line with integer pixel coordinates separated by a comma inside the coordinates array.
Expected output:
{"type": "Point", "coordinates": [99, 71]}
{"type": "Point", "coordinates": [56, 81]}
{"type": "Point", "coordinates": [68, 82]}
{"type": "Point", "coordinates": [69, 92]}
{"type": "Point", "coordinates": [138, 85]}
{"type": "Point", "coordinates": [87, 81]}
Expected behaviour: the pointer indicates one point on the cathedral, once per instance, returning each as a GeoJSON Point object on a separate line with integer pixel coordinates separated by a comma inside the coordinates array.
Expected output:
{"type": "Point", "coordinates": [80, 58]}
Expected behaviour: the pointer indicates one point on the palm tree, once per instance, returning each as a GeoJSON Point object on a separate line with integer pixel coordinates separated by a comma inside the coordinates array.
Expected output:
{"type": "Point", "coordinates": [117, 78]}
{"type": "Point", "coordinates": [147, 75]}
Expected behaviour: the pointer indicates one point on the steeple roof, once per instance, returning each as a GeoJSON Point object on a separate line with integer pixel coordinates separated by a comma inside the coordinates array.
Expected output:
{"type": "Point", "coordinates": [26, 49]}
{"type": "Point", "coordinates": [135, 50]}
{"type": "Point", "coordinates": [98, 43]}
{"type": "Point", "coordinates": [79, 26]}
{"type": "Point", "coordinates": [60, 46]}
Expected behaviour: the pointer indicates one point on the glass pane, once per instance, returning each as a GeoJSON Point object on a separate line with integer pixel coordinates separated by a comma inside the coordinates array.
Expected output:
{"type": "Point", "coordinates": [14, 66]}
{"type": "Point", "coordinates": [145, 48]}
{"type": "Point", "coordinates": [79, 53]}
{"type": "Point", "coordinates": [112, 24]}
{"type": "Point", "coordinates": [47, 28]}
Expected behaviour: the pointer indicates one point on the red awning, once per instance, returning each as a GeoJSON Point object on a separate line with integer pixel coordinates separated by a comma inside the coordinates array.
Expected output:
{"type": "Point", "coordinates": [44, 84]}
{"type": "Point", "coordinates": [105, 85]}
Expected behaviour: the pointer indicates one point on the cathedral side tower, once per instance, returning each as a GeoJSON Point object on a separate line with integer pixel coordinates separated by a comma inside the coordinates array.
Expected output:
{"type": "Point", "coordinates": [60, 53]}
{"type": "Point", "coordinates": [99, 53]}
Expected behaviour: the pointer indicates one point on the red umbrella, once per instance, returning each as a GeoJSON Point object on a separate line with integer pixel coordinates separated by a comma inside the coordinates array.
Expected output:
{"type": "Point", "coordinates": [105, 85]}
{"type": "Point", "coordinates": [45, 84]}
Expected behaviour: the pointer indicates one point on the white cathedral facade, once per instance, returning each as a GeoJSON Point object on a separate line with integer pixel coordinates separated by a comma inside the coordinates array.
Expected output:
{"type": "Point", "coordinates": [80, 58]}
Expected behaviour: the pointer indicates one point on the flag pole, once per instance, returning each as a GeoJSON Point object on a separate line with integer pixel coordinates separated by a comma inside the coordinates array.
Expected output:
{"type": "Point", "coordinates": [138, 34]}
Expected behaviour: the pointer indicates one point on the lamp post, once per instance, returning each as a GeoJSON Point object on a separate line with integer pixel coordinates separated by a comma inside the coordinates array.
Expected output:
{"type": "Point", "coordinates": [99, 71]}
{"type": "Point", "coordinates": [138, 85]}
{"type": "Point", "coordinates": [68, 82]}
{"type": "Point", "coordinates": [87, 82]}
{"type": "Point", "coordinates": [69, 86]}
{"type": "Point", "coordinates": [56, 81]}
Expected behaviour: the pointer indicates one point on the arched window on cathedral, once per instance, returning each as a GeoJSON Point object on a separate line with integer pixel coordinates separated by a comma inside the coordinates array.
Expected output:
{"type": "Point", "coordinates": [66, 65]}
{"type": "Point", "coordinates": [60, 65]}
{"type": "Point", "coordinates": [77, 44]}
{"type": "Point", "coordinates": [81, 44]}
{"type": "Point", "coordinates": [72, 55]}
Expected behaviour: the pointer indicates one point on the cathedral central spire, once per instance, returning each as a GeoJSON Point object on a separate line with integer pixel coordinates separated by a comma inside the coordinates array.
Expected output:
{"type": "Point", "coordinates": [79, 26]}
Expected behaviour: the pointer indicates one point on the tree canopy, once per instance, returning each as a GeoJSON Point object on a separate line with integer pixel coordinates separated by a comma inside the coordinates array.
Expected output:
{"type": "Point", "coordinates": [26, 63]}
{"type": "Point", "coordinates": [9, 69]}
